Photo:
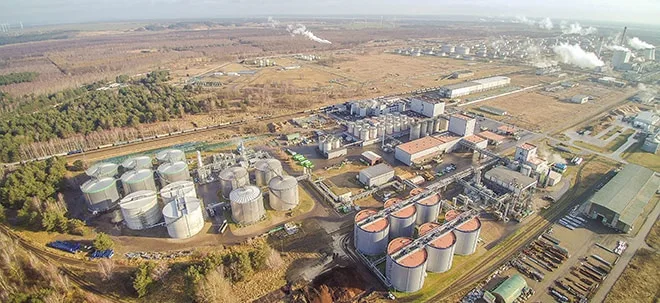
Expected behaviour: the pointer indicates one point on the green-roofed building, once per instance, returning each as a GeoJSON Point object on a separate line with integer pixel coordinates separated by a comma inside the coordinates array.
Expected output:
{"type": "Point", "coordinates": [510, 289]}
{"type": "Point", "coordinates": [622, 200]}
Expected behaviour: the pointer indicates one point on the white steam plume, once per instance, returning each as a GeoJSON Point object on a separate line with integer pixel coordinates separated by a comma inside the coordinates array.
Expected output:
{"type": "Point", "coordinates": [300, 29]}
{"type": "Point", "coordinates": [576, 29]}
{"type": "Point", "coordinates": [575, 55]}
{"type": "Point", "coordinates": [272, 22]}
{"type": "Point", "coordinates": [636, 43]}
{"type": "Point", "coordinates": [546, 24]}
{"type": "Point", "coordinates": [617, 47]}
{"type": "Point", "coordinates": [537, 59]}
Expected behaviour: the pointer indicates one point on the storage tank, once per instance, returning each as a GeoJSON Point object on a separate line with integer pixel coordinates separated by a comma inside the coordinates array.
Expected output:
{"type": "Point", "coordinates": [138, 162]}
{"type": "Point", "coordinates": [370, 237]}
{"type": "Point", "coordinates": [137, 180]}
{"type": "Point", "coordinates": [440, 249]}
{"type": "Point", "coordinates": [266, 169]}
{"type": "Point", "coordinates": [283, 193]}
{"type": "Point", "coordinates": [178, 189]}
{"type": "Point", "coordinates": [232, 178]}
{"type": "Point", "coordinates": [364, 134]}
{"type": "Point", "coordinates": [405, 267]}
{"type": "Point", "coordinates": [429, 127]}
{"type": "Point", "coordinates": [247, 204]}
{"type": "Point", "coordinates": [416, 191]}
{"type": "Point", "coordinates": [170, 172]}
{"type": "Point", "coordinates": [325, 145]}
{"type": "Point", "coordinates": [184, 217]}
{"type": "Point", "coordinates": [423, 128]}
{"type": "Point", "coordinates": [101, 194]}
{"type": "Point", "coordinates": [102, 170]}
{"type": "Point", "coordinates": [336, 143]}
{"type": "Point", "coordinates": [402, 221]}
{"type": "Point", "coordinates": [349, 127]}
{"type": "Point", "coordinates": [356, 131]}
{"type": "Point", "coordinates": [170, 155]}
{"type": "Point", "coordinates": [436, 125]}
{"type": "Point", "coordinates": [140, 209]}
{"type": "Point", "coordinates": [373, 132]}
{"type": "Point", "coordinates": [389, 128]}
{"type": "Point", "coordinates": [397, 127]}
{"type": "Point", "coordinates": [415, 131]}
{"type": "Point", "coordinates": [467, 236]}
{"type": "Point", "coordinates": [428, 209]}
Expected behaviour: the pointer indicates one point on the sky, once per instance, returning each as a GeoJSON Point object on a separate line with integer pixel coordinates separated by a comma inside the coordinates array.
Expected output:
{"type": "Point", "coordinates": [78, 11]}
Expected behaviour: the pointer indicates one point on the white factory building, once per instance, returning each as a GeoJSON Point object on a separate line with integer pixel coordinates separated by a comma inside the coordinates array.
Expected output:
{"type": "Point", "coordinates": [376, 175]}
{"type": "Point", "coordinates": [509, 179]}
{"type": "Point", "coordinates": [646, 121]}
{"type": "Point", "coordinates": [649, 54]}
{"type": "Point", "coordinates": [620, 58]}
{"type": "Point", "coordinates": [417, 151]}
{"type": "Point", "coordinates": [525, 152]}
{"type": "Point", "coordinates": [462, 125]}
{"type": "Point", "coordinates": [580, 99]}
{"type": "Point", "coordinates": [428, 107]}
{"type": "Point", "coordinates": [466, 88]}
{"type": "Point", "coordinates": [376, 107]}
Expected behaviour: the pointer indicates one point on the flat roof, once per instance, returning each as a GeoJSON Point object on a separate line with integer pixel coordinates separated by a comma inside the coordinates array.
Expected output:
{"type": "Point", "coordinates": [447, 138]}
{"type": "Point", "coordinates": [419, 145]}
{"type": "Point", "coordinates": [507, 128]}
{"type": "Point", "coordinates": [508, 176]}
{"type": "Point", "coordinates": [430, 200]}
{"type": "Point", "coordinates": [628, 192]}
{"type": "Point", "coordinates": [527, 146]}
{"type": "Point", "coordinates": [460, 85]}
{"type": "Point", "coordinates": [377, 170]}
{"type": "Point", "coordinates": [371, 155]}
{"type": "Point", "coordinates": [474, 139]}
{"type": "Point", "coordinates": [413, 259]}
{"type": "Point", "coordinates": [462, 117]}
{"type": "Point", "coordinates": [492, 79]}
{"type": "Point", "coordinates": [491, 136]}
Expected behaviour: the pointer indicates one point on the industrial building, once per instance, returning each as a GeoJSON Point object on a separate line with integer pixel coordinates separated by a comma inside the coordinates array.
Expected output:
{"type": "Point", "coordinates": [493, 138]}
{"type": "Point", "coordinates": [649, 54]}
{"type": "Point", "coordinates": [509, 290]}
{"type": "Point", "coordinates": [417, 151]}
{"type": "Point", "coordinates": [580, 99]}
{"type": "Point", "coordinates": [427, 106]}
{"type": "Point", "coordinates": [371, 158]}
{"type": "Point", "coordinates": [376, 175]}
{"type": "Point", "coordinates": [460, 74]}
{"type": "Point", "coordinates": [647, 121]}
{"type": "Point", "coordinates": [510, 180]}
{"type": "Point", "coordinates": [622, 200]}
{"type": "Point", "coordinates": [376, 107]}
{"type": "Point", "coordinates": [466, 88]}
{"type": "Point", "coordinates": [525, 152]}
{"type": "Point", "coordinates": [553, 178]}
{"type": "Point", "coordinates": [620, 58]}
{"type": "Point", "coordinates": [462, 125]}
{"type": "Point", "coordinates": [476, 141]}
{"type": "Point", "coordinates": [652, 143]}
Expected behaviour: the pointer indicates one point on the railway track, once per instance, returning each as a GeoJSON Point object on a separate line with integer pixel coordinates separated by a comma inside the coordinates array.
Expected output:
{"type": "Point", "coordinates": [514, 245]}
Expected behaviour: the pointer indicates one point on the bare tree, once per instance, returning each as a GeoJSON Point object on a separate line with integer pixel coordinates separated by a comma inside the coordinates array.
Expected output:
{"type": "Point", "coordinates": [214, 288]}
{"type": "Point", "coordinates": [106, 269]}
{"type": "Point", "coordinates": [160, 271]}
{"type": "Point", "coordinates": [274, 260]}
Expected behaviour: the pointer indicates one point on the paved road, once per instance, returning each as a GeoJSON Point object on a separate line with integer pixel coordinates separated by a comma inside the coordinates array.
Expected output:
{"type": "Point", "coordinates": [633, 245]}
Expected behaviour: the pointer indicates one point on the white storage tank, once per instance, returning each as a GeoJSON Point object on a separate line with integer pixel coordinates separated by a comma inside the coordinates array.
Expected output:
{"type": "Point", "coordinates": [101, 194]}
{"type": "Point", "coordinates": [405, 267]}
{"type": "Point", "coordinates": [397, 127]}
{"type": "Point", "coordinates": [370, 236]}
{"type": "Point", "coordinates": [170, 172]}
{"type": "Point", "coordinates": [467, 234]}
{"type": "Point", "coordinates": [356, 131]}
{"type": "Point", "coordinates": [364, 134]}
{"type": "Point", "coordinates": [140, 209]}
{"type": "Point", "coordinates": [429, 127]}
{"type": "Point", "coordinates": [170, 155]}
{"type": "Point", "coordinates": [178, 189]}
{"type": "Point", "coordinates": [336, 143]}
{"type": "Point", "coordinates": [232, 178]}
{"type": "Point", "coordinates": [247, 204]}
{"type": "Point", "coordinates": [402, 221]}
{"type": "Point", "coordinates": [137, 180]}
{"type": "Point", "coordinates": [283, 193]}
{"type": "Point", "coordinates": [102, 170]}
{"type": "Point", "coordinates": [349, 127]}
{"type": "Point", "coordinates": [266, 169]}
{"type": "Point", "coordinates": [373, 132]}
{"type": "Point", "coordinates": [440, 249]}
{"type": "Point", "coordinates": [415, 131]}
{"type": "Point", "coordinates": [184, 217]}
{"type": "Point", "coordinates": [428, 209]}
{"type": "Point", "coordinates": [423, 128]}
{"type": "Point", "coordinates": [136, 163]}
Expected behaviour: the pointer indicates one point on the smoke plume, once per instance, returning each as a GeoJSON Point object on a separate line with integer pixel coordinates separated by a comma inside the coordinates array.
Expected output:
{"type": "Point", "coordinates": [545, 23]}
{"type": "Point", "coordinates": [575, 55]}
{"type": "Point", "coordinates": [272, 22]}
{"type": "Point", "coordinates": [636, 43]}
{"type": "Point", "coordinates": [537, 59]}
{"type": "Point", "coordinates": [576, 29]}
{"type": "Point", "coordinates": [300, 29]}
{"type": "Point", "coordinates": [617, 47]}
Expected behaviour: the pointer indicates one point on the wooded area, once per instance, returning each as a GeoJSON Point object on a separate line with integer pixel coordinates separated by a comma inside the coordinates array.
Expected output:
{"type": "Point", "coordinates": [17, 78]}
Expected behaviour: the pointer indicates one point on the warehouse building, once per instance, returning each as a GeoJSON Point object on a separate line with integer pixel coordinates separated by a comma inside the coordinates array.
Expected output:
{"type": "Point", "coordinates": [427, 106]}
{"type": "Point", "coordinates": [476, 141]}
{"type": "Point", "coordinates": [508, 291]}
{"type": "Point", "coordinates": [493, 138]}
{"type": "Point", "coordinates": [376, 175]}
{"type": "Point", "coordinates": [646, 121]}
{"type": "Point", "coordinates": [417, 151]}
{"type": "Point", "coordinates": [580, 99]}
{"type": "Point", "coordinates": [371, 158]}
{"type": "Point", "coordinates": [462, 125]}
{"type": "Point", "coordinates": [466, 88]}
{"type": "Point", "coordinates": [622, 200]}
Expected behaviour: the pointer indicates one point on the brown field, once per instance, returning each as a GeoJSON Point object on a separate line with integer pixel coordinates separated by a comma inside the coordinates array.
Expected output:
{"type": "Point", "coordinates": [640, 281]}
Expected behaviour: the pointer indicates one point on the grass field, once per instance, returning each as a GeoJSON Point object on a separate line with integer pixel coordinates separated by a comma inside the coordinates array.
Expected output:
{"type": "Point", "coordinates": [640, 281]}
{"type": "Point", "coordinates": [610, 147]}
{"type": "Point", "coordinates": [634, 154]}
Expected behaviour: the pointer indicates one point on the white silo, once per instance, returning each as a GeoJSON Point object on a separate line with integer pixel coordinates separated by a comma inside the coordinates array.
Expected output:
{"type": "Point", "coordinates": [137, 180]}
{"type": "Point", "coordinates": [423, 125]}
{"type": "Point", "coordinates": [184, 217]}
{"type": "Point", "coordinates": [170, 172]}
{"type": "Point", "coordinates": [102, 170]}
{"type": "Point", "coordinates": [266, 169]}
{"type": "Point", "coordinates": [356, 131]}
{"type": "Point", "coordinates": [373, 132]}
{"type": "Point", "coordinates": [101, 194]}
{"type": "Point", "coordinates": [467, 236]}
{"type": "Point", "coordinates": [140, 209]}
{"type": "Point", "coordinates": [349, 127]}
{"type": "Point", "coordinates": [247, 204]}
{"type": "Point", "coordinates": [396, 127]}
{"type": "Point", "coordinates": [139, 162]}
{"type": "Point", "coordinates": [389, 128]}
{"type": "Point", "coordinates": [370, 234]}
{"type": "Point", "coordinates": [283, 193]}
{"type": "Point", "coordinates": [232, 178]}
{"type": "Point", "coordinates": [405, 268]}
{"type": "Point", "coordinates": [429, 127]}
{"type": "Point", "coordinates": [178, 189]}
{"type": "Point", "coordinates": [440, 249]}
{"type": "Point", "coordinates": [436, 125]}
{"type": "Point", "coordinates": [415, 131]}
{"type": "Point", "coordinates": [336, 143]}
{"type": "Point", "coordinates": [364, 134]}
{"type": "Point", "coordinates": [170, 155]}
{"type": "Point", "coordinates": [402, 221]}
{"type": "Point", "coordinates": [428, 209]}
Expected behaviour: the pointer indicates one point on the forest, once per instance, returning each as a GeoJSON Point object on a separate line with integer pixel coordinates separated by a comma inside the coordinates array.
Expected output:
{"type": "Point", "coordinates": [85, 110]}
{"type": "Point", "coordinates": [17, 78]}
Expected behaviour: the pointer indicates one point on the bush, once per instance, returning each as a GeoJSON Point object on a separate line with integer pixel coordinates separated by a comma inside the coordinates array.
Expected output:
{"type": "Point", "coordinates": [54, 221]}
{"type": "Point", "coordinates": [142, 278]}
{"type": "Point", "coordinates": [77, 227]}
{"type": "Point", "coordinates": [259, 257]}
{"type": "Point", "coordinates": [78, 165]}
{"type": "Point", "coordinates": [103, 242]}
{"type": "Point", "coordinates": [237, 266]}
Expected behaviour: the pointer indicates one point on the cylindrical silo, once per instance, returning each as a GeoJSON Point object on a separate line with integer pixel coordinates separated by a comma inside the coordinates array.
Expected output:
{"type": "Point", "coordinates": [102, 169]}
{"type": "Point", "coordinates": [370, 234]}
{"type": "Point", "coordinates": [356, 131]}
{"type": "Point", "coordinates": [232, 178]}
{"type": "Point", "coordinates": [440, 249]}
{"type": "Point", "coordinates": [396, 127]}
{"type": "Point", "coordinates": [184, 217]}
{"type": "Point", "coordinates": [389, 128]}
{"type": "Point", "coordinates": [423, 128]}
{"type": "Point", "coordinates": [373, 132]}
{"type": "Point", "coordinates": [247, 204]}
{"type": "Point", "coordinates": [139, 162]}
{"type": "Point", "coordinates": [326, 145]}
{"type": "Point", "coordinates": [101, 194]}
{"type": "Point", "coordinates": [170, 172]}
{"type": "Point", "coordinates": [436, 125]}
{"type": "Point", "coordinates": [137, 180]}
{"type": "Point", "coordinates": [178, 189]}
{"type": "Point", "coordinates": [415, 131]}
{"type": "Point", "coordinates": [336, 143]}
{"type": "Point", "coordinates": [140, 209]}
{"type": "Point", "coordinates": [266, 169]}
{"type": "Point", "coordinates": [349, 127]}
{"type": "Point", "coordinates": [416, 191]}
{"type": "Point", "coordinates": [170, 155]}
{"type": "Point", "coordinates": [364, 134]}
{"type": "Point", "coordinates": [428, 209]}
{"type": "Point", "coordinates": [402, 221]}
{"type": "Point", "coordinates": [283, 193]}
{"type": "Point", "coordinates": [467, 236]}
{"type": "Point", "coordinates": [405, 268]}
{"type": "Point", "coordinates": [429, 127]}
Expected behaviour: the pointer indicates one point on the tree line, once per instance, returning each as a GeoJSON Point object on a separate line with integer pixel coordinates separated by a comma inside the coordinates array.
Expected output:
{"type": "Point", "coordinates": [17, 78]}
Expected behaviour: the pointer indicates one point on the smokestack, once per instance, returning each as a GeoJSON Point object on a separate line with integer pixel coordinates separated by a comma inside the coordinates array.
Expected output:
{"type": "Point", "coordinates": [600, 47]}
{"type": "Point", "coordinates": [623, 36]}
{"type": "Point", "coordinates": [200, 163]}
